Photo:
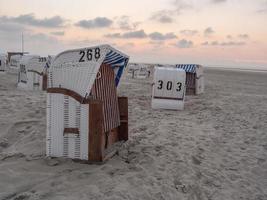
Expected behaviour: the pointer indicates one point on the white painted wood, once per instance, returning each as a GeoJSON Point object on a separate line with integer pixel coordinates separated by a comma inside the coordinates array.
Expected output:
{"type": "Point", "coordinates": [168, 88]}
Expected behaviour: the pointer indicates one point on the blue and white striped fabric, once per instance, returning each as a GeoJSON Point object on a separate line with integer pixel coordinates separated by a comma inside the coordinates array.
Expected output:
{"type": "Point", "coordinates": [118, 62]}
{"type": "Point", "coordinates": [187, 67]}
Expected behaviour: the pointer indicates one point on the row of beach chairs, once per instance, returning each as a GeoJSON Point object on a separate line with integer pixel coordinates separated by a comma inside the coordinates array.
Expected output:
{"type": "Point", "coordinates": [85, 117]}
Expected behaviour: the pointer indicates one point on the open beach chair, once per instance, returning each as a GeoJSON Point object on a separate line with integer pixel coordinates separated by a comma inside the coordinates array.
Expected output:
{"type": "Point", "coordinates": [85, 117]}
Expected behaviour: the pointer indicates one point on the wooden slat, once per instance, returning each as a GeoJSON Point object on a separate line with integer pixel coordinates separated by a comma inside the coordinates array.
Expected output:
{"type": "Point", "coordinates": [168, 98]}
{"type": "Point", "coordinates": [70, 93]}
{"type": "Point", "coordinates": [113, 136]}
{"type": "Point", "coordinates": [34, 71]}
{"type": "Point", "coordinates": [44, 86]}
{"type": "Point", "coordinates": [71, 130]}
{"type": "Point", "coordinates": [104, 89]}
{"type": "Point", "coordinates": [96, 131]}
{"type": "Point", "coordinates": [123, 128]}
{"type": "Point", "coordinates": [190, 83]}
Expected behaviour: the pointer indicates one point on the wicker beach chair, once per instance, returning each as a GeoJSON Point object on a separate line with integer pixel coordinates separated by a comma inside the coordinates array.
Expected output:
{"type": "Point", "coordinates": [84, 116]}
{"type": "Point", "coordinates": [168, 88]}
{"type": "Point", "coordinates": [31, 72]}
{"type": "Point", "coordinates": [3, 63]}
{"type": "Point", "coordinates": [194, 78]}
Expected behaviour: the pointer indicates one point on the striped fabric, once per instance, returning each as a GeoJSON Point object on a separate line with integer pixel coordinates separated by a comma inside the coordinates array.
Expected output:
{"type": "Point", "coordinates": [104, 89]}
{"type": "Point", "coordinates": [48, 62]}
{"type": "Point", "coordinates": [191, 68]}
{"type": "Point", "coordinates": [118, 62]}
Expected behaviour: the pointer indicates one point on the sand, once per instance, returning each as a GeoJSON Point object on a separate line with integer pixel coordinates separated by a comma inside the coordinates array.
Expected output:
{"type": "Point", "coordinates": [216, 149]}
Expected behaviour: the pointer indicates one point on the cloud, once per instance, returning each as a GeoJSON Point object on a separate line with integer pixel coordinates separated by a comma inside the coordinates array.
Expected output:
{"type": "Point", "coordinates": [168, 16]}
{"type": "Point", "coordinates": [216, 43]}
{"type": "Point", "coordinates": [160, 36]}
{"type": "Point", "coordinates": [163, 16]}
{"type": "Point", "coordinates": [140, 34]}
{"type": "Point", "coordinates": [113, 35]}
{"type": "Point", "coordinates": [218, 1]}
{"type": "Point", "coordinates": [243, 36]}
{"type": "Point", "coordinates": [58, 33]}
{"type": "Point", "coordinates": [98, 22]}
{"type": "Point", "coordinates": [125, 23]}
{"type": "Point", "coordinates": [184, 43]}
{"type": "Point", "coordinates": [188, 32]}
{"type": "Point", "coordinates": [31, 20]}
{"type": "Point", "coordinates": [263, 9]}
{"type": "Point", "coordinates": [135, 34]}
{"type": "Point", "coordinates": [181, 5]}
{"type": "Point", "coordinates": [208, 31]}
{"type": "Point", "coordinates": [233, 43]}
{"type": "Point", "coordinates": [128, 35]}
{"type": "Point", "coordinates": [205, 43]}
{"type": "Point", "coordinates": [213, 43]}
{"type": "Point", "coordinates": [39, 38]}
{"type": "Point", "coordinates": [11, 27]}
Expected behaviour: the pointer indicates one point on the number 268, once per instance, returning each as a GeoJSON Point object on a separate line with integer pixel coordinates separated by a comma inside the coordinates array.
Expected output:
{"type": "Point", "coordinates": [89, 54]}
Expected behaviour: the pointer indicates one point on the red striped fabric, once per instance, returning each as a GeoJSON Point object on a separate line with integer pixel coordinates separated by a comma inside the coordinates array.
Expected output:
{"type": "Point", "coordinates": [104, 89]}
{"type": "Point", "coordinates": [190, 83]}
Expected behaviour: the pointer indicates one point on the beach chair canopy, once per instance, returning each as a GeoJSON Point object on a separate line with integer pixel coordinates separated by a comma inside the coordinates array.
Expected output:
{"type": "Point", "coordinates": [191, 68]}
{"type": "Point", "coordinates": [31, 67]}
{"type": "Point", "coordinates": [77, 69]}
{"type": "Point", "coordinates": [33, 62]}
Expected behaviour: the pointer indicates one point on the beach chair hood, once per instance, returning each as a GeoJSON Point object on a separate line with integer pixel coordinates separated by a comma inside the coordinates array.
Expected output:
{"type": "Point", "coordinates": [63, 72]}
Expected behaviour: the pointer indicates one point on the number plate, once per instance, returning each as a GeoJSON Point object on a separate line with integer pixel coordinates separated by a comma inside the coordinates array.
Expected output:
{"type": "Point", "coordinates": [169, 83]}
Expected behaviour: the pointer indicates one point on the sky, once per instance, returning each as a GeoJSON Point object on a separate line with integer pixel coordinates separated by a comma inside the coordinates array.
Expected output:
{"type": "Point", "coordinates": [209, 32]}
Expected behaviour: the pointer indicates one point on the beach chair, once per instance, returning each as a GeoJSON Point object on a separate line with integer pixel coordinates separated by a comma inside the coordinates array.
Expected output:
{"type": "Point", "coordinates": [31, 72]}
{"type": "Point", "coordinates": [13, 65]}
{"type": "Point", "coordinates": [168, 88]}
{"type": "Point", "coordinates": [85, 117]}
{"type": "Point", "coordinates": [3, 63]}
{"type": "Point", "coordinates": [194, 78]}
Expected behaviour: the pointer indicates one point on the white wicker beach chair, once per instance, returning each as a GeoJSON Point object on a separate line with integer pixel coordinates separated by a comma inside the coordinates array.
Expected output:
{"type": "Point", "coordinates": [3, 63]}
{"type": "Point", "coordinates": [13, 65]}
{"type": "Point", "coordinates": [82, 101]}
{"type": "Point", "coordinates": [168, 88]}
{"type": "Point", "coordinates": [32, 69]}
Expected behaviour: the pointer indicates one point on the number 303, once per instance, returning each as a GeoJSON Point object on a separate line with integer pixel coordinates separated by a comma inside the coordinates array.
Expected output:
{"type": "Point", "coordinates": [169, 85]}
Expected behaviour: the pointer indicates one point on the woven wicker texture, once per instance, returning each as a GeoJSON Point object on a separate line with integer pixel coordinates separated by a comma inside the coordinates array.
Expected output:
{"type": "Point", "coordinates": [93, 71]}
{"type": "Point", "coordinates": [30, 73]}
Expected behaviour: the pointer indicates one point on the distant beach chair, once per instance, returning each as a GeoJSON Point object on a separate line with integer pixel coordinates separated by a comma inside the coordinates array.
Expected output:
{"type": "Point", "coordinates": [13, 65]}
{"type": "Point", "coordinates": [142, 73]}
{"type": "Point", "coordinates": [32, 72]}
{"type": "Point", "coordinates": [168, 88]}
{"type": "Point", "coordinates": [85, 117]}
{"type": "Point", "coordinates": [138, 70]}
{"type": "Point", "coordinates": [194, 78]}
{"type": "Point", "coordinates": [3, 63]}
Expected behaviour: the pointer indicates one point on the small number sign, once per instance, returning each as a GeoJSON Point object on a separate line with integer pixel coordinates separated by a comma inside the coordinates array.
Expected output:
{"type": "Point", "coordinates": [89, 54]}
{"type": "Point", "coordinates": [169, 83]}
{"type": "Point", "coordinates": [42, 59]}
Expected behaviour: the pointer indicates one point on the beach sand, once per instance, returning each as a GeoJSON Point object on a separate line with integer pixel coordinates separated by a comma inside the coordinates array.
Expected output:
{"type": "Point", "coordinates": [216, 149]}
